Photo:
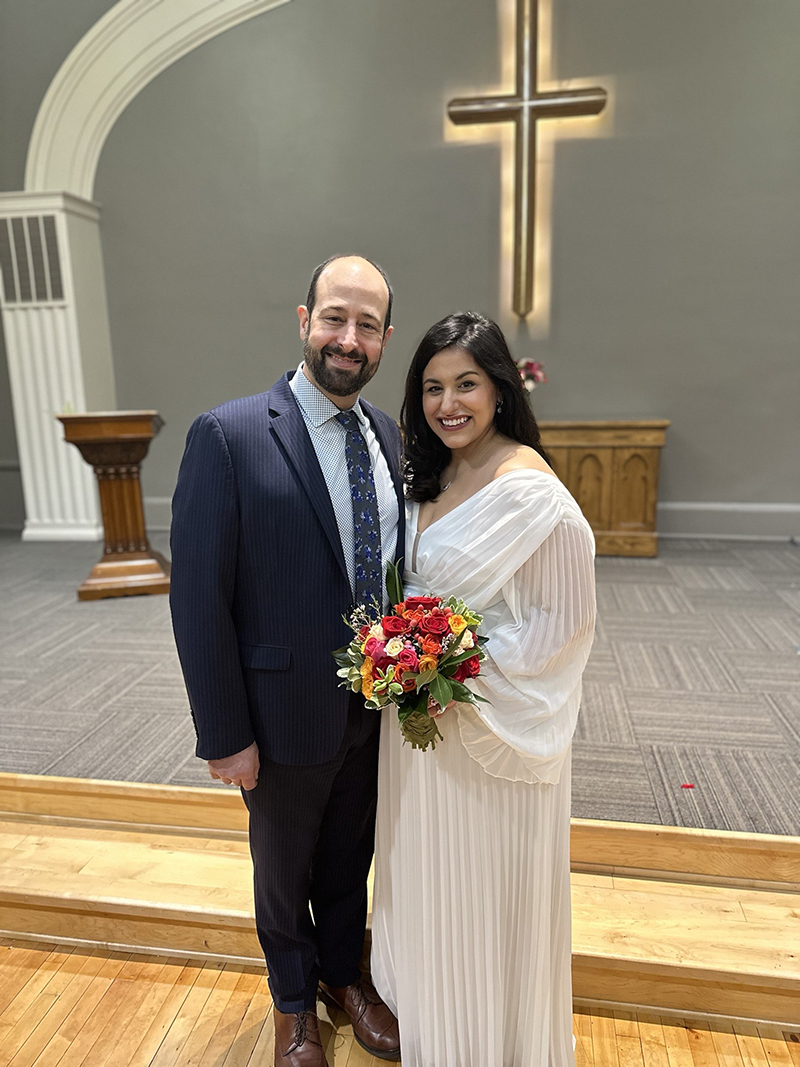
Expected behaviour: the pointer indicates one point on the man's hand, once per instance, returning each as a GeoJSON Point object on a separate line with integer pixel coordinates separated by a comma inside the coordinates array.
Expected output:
{"type": "Point", "coordinates": [239, 769]}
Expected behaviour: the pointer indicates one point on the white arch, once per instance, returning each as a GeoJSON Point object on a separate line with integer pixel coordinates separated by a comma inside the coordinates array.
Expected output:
{"type": "Point", "coordinates": [129, 46]}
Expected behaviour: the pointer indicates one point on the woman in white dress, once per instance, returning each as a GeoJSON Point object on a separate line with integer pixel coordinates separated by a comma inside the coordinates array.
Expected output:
{"type": "Point", "coordinates": [471, 913]}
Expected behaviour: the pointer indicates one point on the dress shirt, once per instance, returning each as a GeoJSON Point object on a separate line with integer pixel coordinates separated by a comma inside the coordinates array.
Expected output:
{"type": "Point", "coordinates": [328, 438]}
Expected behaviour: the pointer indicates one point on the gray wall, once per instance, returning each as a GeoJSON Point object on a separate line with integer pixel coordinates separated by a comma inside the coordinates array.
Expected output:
{"type": "Point", "coordinates": [318, 128]}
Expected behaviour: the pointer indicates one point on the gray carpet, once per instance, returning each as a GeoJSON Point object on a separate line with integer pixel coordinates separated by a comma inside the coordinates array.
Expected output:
{"type": "Point", "coordinates": [694, 680]}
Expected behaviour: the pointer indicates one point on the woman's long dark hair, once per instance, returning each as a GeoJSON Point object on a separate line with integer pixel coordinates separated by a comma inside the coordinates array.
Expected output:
{"type": "Point", "coordinates": [426, 455]}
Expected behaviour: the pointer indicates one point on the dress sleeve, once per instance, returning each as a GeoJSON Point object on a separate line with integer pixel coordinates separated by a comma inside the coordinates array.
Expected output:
{"type": "Point", "coordinates": [536, 654]}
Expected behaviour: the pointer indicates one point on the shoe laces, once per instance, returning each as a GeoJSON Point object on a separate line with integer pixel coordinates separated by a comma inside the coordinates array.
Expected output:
{"type": "Point", "coordinates": [365, 997]}
{"type": "Point", "coordinates": [301, 1028]}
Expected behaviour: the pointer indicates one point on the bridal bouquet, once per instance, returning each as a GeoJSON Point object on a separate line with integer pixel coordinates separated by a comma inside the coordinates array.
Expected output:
{"type": "Point", "coordinates": [426, 648]}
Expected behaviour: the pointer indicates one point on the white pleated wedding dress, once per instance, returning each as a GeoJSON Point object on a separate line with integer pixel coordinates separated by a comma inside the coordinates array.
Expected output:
{"type": "Point", "coordinates": [471, 916]}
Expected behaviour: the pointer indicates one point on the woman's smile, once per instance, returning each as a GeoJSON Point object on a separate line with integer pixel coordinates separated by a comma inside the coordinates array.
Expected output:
{"type": "Point", "coordinates": [454, 422]}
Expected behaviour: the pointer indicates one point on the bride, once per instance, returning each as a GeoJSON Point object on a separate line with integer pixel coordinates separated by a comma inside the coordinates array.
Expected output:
{"type": "Point", "coordinates": [471, 913]}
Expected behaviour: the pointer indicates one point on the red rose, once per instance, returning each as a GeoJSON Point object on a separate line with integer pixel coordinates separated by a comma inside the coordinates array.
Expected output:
{"type": "Point", "coordinates": [473, 665]}
{"type": "Point", "coordinates": [424, 602]}
{"type": "Point", "coordinates": [408, 659]}
{"type": "Point", "coordinates": [469, 668]}
{"type": "Point", "coordinates": [393, 626]}
{"type": "Point", "coordinates": [460, 673]}
{"type": "Point", "coordinates": [362, 633]}
{"type": "Point", "coordinates": [434, 624]}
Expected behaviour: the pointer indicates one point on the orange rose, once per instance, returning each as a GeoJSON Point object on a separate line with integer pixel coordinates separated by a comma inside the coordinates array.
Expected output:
{"type": "Point", "coordinates": [428, 663]}
{"type": "Point", "coordinates": [431, 646]}
{"type": "Point", "coordinates": [366, 677]}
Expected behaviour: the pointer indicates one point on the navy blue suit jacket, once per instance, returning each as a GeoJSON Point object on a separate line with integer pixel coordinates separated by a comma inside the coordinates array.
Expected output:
{"type": "Point", "coordinates": [259, 583]}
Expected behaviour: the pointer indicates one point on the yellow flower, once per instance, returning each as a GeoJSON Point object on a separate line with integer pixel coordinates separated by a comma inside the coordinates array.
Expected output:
{"type": "Point", "coordinates": [428, 663]}
{"type": "Point", "coordinates": [457, 623]}
{"type": "Point", "coordinates": [366, 677]}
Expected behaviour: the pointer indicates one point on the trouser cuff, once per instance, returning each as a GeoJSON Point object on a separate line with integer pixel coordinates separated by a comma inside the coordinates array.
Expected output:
{"type": "Point", "coordinates": [306, 1001]}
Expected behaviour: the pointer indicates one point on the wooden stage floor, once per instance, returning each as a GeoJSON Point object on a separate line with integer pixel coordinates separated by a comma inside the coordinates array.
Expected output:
{"type": "Point", "coordinates": [75, 1007]}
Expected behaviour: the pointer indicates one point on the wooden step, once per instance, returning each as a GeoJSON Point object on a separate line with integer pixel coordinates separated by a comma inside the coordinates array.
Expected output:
{"type": "Point", "coordinates": [664, 943]}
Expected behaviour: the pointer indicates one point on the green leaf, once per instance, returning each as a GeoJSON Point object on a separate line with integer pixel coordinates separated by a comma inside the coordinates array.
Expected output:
{"type": "Point", "coordinates": [342, 656]}
{"type": "Point", "coordinates": [394, 584]}
{"type": "Point", "coordinates": [461, 693]}
{"type": "Point", "coordinates": [425, 678]}
{"type": "Point", "coordinates": [468, 653]}
{"type": "Point", "coordinates": [451, 650]}
{"type": "Point", "coordinates": [441, 690]}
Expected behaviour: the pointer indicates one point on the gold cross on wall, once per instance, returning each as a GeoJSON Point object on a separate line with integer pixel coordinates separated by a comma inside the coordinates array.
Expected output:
{"type": "Point", "coordinates": [524, 107]}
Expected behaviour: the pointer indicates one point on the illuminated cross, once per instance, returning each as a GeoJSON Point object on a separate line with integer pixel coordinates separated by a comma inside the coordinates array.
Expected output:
{"type": "Point", "coordinates": [523, 108]}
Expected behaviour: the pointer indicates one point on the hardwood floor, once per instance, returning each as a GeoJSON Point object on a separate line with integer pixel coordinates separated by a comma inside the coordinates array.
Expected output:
{"type": "Point", "coordinates": [72, 1007]}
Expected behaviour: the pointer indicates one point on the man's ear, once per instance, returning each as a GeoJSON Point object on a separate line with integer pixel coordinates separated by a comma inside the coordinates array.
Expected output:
{"type": "Point", "coordinates": [303, 315]}
{"type": "Point", "coordinates": [387, 335]}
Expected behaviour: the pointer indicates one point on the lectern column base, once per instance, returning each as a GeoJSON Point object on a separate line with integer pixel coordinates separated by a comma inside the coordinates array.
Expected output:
{"type": "Point", "coordinates": [131, 574]}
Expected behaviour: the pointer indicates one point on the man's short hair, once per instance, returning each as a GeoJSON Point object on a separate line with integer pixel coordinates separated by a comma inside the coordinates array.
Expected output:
{"type": "Point", "coordinates": [311, 299]}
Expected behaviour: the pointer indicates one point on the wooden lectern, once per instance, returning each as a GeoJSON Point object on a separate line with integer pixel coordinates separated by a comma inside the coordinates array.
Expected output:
{"type": "Point", "coordinates": [115, 443]}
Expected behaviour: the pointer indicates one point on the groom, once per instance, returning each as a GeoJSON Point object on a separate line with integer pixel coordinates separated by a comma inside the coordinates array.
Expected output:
{"type": "Point", "coordinates": [287, 508]}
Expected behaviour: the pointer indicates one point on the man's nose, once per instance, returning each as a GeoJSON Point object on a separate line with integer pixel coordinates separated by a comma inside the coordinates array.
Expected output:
{"type": "Point", "coordinates": [348, 339]}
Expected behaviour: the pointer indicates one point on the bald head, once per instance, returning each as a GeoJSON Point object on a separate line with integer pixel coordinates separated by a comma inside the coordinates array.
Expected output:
{"type": "Point", "coordinates": [358, 271]}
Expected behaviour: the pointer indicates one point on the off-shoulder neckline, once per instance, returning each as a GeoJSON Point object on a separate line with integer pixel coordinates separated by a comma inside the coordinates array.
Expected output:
{"type": "Point", "coordinates": [483, 488]}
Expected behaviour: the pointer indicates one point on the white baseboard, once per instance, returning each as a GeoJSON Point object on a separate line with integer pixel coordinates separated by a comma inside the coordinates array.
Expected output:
{"type": "Point", "coordinates": [729, 521]}
{"type": "Point", "coordinates": [60, 532]}
{"type": "Point", "coordinates": [721, 521]}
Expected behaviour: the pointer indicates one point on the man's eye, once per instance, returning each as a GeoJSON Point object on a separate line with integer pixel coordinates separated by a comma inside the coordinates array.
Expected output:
{"type": "Point", "coordinates": [367, 326]}
{"type": "Point", "coordinates": [332, 318]}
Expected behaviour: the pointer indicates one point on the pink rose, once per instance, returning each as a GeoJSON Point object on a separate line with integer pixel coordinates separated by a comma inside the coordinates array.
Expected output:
{"type": "Point", "coordinates": [408, 659]}
{"type": "Point", "coordinates": [376, 650]}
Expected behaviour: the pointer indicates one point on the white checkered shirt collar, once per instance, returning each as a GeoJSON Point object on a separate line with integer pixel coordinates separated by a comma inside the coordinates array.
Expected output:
{"type": "Point", "coordinates": [318, 408]}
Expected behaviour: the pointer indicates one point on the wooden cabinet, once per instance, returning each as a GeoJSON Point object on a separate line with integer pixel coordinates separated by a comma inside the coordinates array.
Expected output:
{"type": "Point", "coordinates": [611, 468]}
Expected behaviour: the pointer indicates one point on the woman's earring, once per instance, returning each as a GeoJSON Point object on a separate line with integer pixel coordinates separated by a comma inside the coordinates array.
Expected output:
{"type": "Point", "coordinates": [499, 406]}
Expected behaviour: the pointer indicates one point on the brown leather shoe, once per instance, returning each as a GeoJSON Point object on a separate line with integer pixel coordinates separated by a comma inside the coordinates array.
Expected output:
{"type": "Point", "coordinates": [297, 1040]}
{"type": "Point", "coordinates": [374, 1026]}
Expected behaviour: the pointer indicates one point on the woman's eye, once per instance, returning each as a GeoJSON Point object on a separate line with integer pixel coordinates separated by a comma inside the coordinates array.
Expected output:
{"type": "Point", "coordinates": [467, 384]}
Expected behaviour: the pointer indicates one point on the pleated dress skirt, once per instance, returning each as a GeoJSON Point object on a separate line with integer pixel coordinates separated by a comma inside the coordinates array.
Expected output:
{"type": "Point", "coordinates": [471, 938]}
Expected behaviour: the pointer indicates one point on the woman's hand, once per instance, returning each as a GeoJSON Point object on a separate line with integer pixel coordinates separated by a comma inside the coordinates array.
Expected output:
{"type": "Point", "coordinates": [434, 709]}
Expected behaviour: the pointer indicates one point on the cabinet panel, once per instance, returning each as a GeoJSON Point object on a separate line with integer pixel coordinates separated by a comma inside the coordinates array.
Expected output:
{"type": "Point", "coordinates": [635, 489]}
{"type": "Point", "coordinates": [559, 461]}
{"type": "Point", "coordinates": [589, 481]}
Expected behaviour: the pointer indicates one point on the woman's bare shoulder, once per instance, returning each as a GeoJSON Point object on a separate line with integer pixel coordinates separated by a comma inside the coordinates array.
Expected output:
{"type": "Point", "coordinates": [523, 458]}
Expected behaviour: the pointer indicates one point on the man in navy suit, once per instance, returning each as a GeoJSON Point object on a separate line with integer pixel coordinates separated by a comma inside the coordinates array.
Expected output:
{"type": "Point", "coordinates": [288, 506]}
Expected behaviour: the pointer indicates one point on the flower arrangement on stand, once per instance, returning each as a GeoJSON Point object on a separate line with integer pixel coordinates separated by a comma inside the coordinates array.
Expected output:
{"type": "Point", "coordinates": [532, 373]}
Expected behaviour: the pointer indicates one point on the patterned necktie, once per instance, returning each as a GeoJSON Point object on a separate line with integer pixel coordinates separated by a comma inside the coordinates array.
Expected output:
{"type": "Point", "coordinates": [366, 522]}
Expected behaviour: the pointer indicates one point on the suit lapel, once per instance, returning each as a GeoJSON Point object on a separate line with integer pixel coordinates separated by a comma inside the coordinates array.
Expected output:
{"type": "Point", "coordinates": [288, 426]}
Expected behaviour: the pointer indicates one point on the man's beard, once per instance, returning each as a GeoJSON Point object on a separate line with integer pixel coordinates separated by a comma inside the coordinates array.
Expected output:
{"type": "Point", "coordinates": [336, 380]}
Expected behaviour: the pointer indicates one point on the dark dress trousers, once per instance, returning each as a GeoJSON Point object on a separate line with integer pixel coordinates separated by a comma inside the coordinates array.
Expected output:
{"type": "Point", "coordinates": [259, 586]}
